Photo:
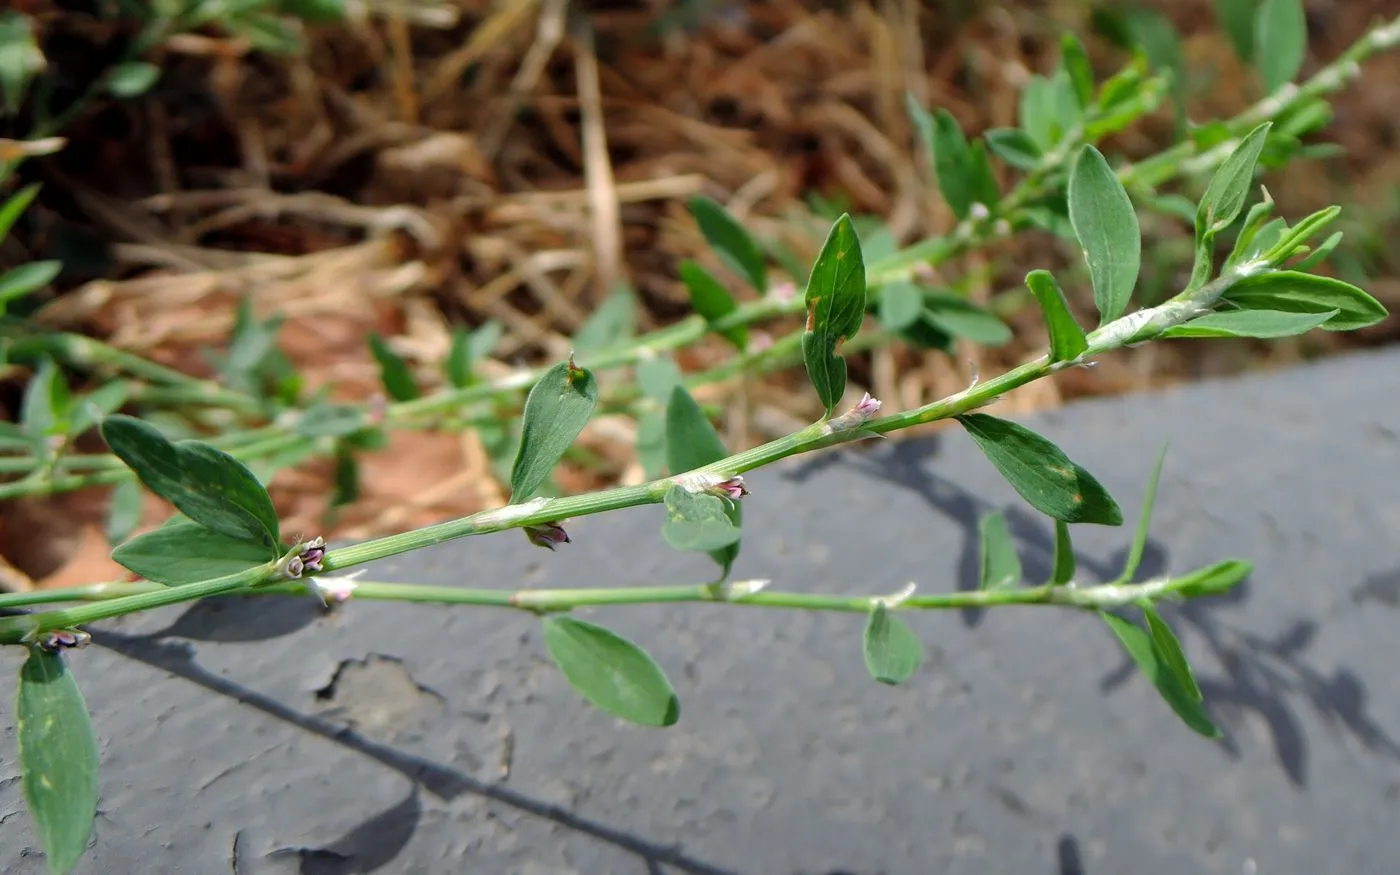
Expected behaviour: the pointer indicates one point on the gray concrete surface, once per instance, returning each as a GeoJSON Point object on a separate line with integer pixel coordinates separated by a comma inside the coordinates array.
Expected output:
{"type": "Point", "coordinates": [257, 737]}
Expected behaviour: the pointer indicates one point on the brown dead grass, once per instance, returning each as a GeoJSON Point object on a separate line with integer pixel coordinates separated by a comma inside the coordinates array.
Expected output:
{"type": "Point", "coordinates": [507, 161]}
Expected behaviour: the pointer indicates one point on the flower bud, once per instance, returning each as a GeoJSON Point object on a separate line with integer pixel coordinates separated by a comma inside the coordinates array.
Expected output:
{"type": "Point", "coordinates": [547, 535]}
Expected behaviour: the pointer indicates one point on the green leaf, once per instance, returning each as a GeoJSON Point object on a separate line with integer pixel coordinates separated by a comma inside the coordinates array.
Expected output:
{"type": "Point", "coordinates": [1296, 292]}
{"type": "Point", "coordinates": [15, 207]}
{"type": "Point", "coordinates": [1036, 112]}
{"type": "Point", "coordinates": [1280, 41]}
{"type": "Point", "coordinates": [1062, 564]}
{"type": "Point", "coordinates": [207, 485]}
{"type": "Point", "coordinates": [20, 281]}
{"type": "Point", "coordinates": [467, 349]}
{"type": "Point", "coordinates": [901, 304]}
{"type": "Point", "coordinates": [186, 552]}
{"type": "Point", "coordinates": [651, 443]}
{"type": "Point", "coordinates": [1015, 147]}
{"type": "Point", "coordinates": [1107, 228]}
{"type": "Point", "coordinates": [835, 307]}
{"type": "Point", "coordinates": [1075, 61]}
{"type": "Point", "coordinates": [982, 181]}
{"type": "Point", "coordinates": [952, 164]}
{"type": "Point", "coordinates": [1041, 473]}
{"type": "Point", "coordinates": [612, 324]}
{"type": "Point", "coordinates": [1229, 187]}
{"type": "Point", "coordinates": [46, 402]}
{"type": "Point", "coordinates": [57, 758]}
{"type": "Point", "coordinates": [347, 479]}
{"type": "Point", "coordinates": [697, 522]}
{"type": "Point", "coordinates": [132, 79]}
{"type": "Point", "coordinates": [90, 409]}
{"type": "Point", "coordinates": [1212, 580]}
{"type": "Point", "coordinates": [734, 245]}
{"type": "Point", "coordinates": [1144, 652]}
{"type": "Point", "coordinates": [1139, 544]}
{"type": "Point", "coordinates": [961, 318]}
{"type": "Point", "coordinates": [1319, 255]}
{"type": "Point", "coordinates": [393, 371]}
{"type": "Point", "coordinates": [316, 11]}
{"type": "Point", "coordinates": [711, 300]}
{"type": "Point", "coordinates": [124, 511]}
{"type": "Point", "coordinates": [658, 376]}
{"type": "Point", "coordinates": [1066, 109]}
{"type": "Point", "coordinates": [1001, 566]}
{"type": "Point", "coordinates": [329, 420]}
{"type": "Point", "coordinates": [1067, 341]}
{"type": "Point", "coordinates": [692, 442]}
{"type": "Point", "coordinates": [20, 58]}
{"type": "Point", "coordinates": [611, 672]}
{"type": "Point", "coordinates": [1266, 324]}
{"type": "Point", "coordinates": [1236, 18]}
{"type": "Point", "coordinates": [1169, 648]}
{"type": "Point", "coordinates": [556, 410]}
{"type": "Point", "coordinates": [892, 651]}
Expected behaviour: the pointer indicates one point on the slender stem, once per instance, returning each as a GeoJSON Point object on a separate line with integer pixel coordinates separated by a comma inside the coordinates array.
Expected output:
{"type": "Point", "coordinates": [109, 598]}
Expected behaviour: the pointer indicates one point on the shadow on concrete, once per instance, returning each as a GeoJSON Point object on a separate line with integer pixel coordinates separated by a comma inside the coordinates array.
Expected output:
{"type": "Point", "coordinates": [376, 842]}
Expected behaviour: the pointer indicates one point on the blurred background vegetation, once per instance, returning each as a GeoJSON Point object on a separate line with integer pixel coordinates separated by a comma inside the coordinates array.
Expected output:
{"type": "Point", "coordinates": [328, 170]}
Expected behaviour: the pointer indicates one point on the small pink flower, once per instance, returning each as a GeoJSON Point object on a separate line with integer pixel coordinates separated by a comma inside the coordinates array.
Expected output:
{"type": "Point", "coordinates": [548, 535]}
{"type": "Point", "coordinates": [867, 407]}
{"type": "Point", "coordinates": [332, 590]}
{"type": "Point", "coordinates": [857, 416]}
{"type": "Point", "coordinates": [732, 489]}
{"type": "Point", "coordinates": [56, 640]}
{"type": "Point", "coordinates": [784, 292]}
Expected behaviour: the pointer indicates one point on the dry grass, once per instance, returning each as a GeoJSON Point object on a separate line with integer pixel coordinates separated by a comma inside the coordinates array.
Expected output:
{"type": "Point", "coordinates": [435, 164]}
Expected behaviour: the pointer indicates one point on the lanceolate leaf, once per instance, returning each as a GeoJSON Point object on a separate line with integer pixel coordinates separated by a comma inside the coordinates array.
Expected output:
{"type": "Point", "coordinates": [712, 300]}
{"type": "Point", "coordinates": [952, 164]}
{"type": "Point", "coordinates": [1001, 566]}
{"type": "Point", "coordinates": [1139, 545]}
{"type": "Point", "coordinates": [186, 552]}
{"type": "Point", "coordinates": [892, 650]}
{"type": "Point", "coordinates": [393, 371]}
{"type": "Point", "coordinates": [1229, 187]}
{"type": "Point", "coordinates": [835, 307]}
{"type": "Point", "coordinates": [1295, 292]}
{"type": "Point", "coordinates": [15, 207]}
{"type": "Point", "coordinates": [57, 758]}
{"type": "Point", "coordinates": [1067, 341]}
{"type": "Point", "coordinates": [20, 281]}
{"type": "Point", "coordinates": [1107, 228]}
{"type": "Point", "coordinates": [556, 410]}
{"type": "Point", "coordinates": [901, 304]}
{"type": "Point", "coordinates": [1164, 639]}
{"type": "Point", "coordinates": [1152, 662]}
{"type": "Point", "coordinates": [1041, 473]}
{"type": "Point", "coordinates": [612, 324]}
{"type": "Point", "coordinates": [206, 484]}
{"type": "Point", "coordinates": [692, 442]}
{"type": "Point", "coordinates": [1075, 61]}
{"type": "Point", "coordinates": [1062, 565]}
{"type": "Point", "coordinates": [1280, 41]}
{"type": "Point", "coordinates": [1251, 323]}
{"type": "Point", "coordinates": [611, 672]}
{"type": "Point", "coordinates": [1014, 146]}
{"type": "Point", "coordinates": [1213, 580]}
{"type": "Point", "coordinates": [730, 241]}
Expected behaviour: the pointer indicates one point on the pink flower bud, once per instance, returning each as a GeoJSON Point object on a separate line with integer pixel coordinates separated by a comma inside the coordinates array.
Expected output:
{"type": "Point", "coordinates": [56, 640]}
{"type": "Point", "coordinates": [548, 535]}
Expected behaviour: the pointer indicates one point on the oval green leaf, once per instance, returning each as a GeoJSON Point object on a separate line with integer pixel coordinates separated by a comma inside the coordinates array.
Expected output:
{"type": "Point", "coordinates": [611, 672]}
{"type": "Point", "coordinates": [699, 523]}
{"type": "Point", "coordinates": [1015, 147]}
{"type": "Point", "coordinates": [1152, 662]}
{"type": "Point", "coordinates": [1001, 566]}
{"type": "Point", "coordinates": [205, 484]}
{"type": "Point", "coordinates": [1296, 292]}
{"type": "Point", "coordinates": [1067, 341]}
{"type": "Point", "coordinates": [712, 300]}
{"type": "Point", "coordinates": [952, 164]}
{"type": "Point", "coordinates": [611, 325]}
{"type": "Point", "coordinates": [1251, 323]}
{"type": "Point", "coordinates": [556, 410]}
{"type": "Point", "coordinates": [901, 304]}
{"type": "Point", "coordinates": [186, 552]}
{"type": "Point", "coordinates": [1106, 226]}
{"type": "Point", "coordinates": [692, 442]}
{"type": "Point", "coordinates": [835, 307]}
{"type": "Point", "coordinates": [1280, 41]}
{"type": "Point", "coordinates": [734, 245]}
{"type": "Point", "coordinates": [57, 758]}
{"type": "Point", "coordinates": [1041, 473]}
{"type": "Point", "coordinates": [393, 371]}
{"type": "Point", "coordinates": [132, 79]}
{"type": "Point", "coordinates": [892, 651]}
{"type": "Point", "coordinates": [961, 318]}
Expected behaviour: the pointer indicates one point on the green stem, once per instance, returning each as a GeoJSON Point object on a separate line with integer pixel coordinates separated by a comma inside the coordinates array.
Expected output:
{"type": "Point", "coordinates": [114, 599]}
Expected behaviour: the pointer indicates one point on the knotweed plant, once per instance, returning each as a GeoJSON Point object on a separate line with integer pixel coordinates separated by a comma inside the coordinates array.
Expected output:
{"type": "Point", "coordinates": [226, 538]}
